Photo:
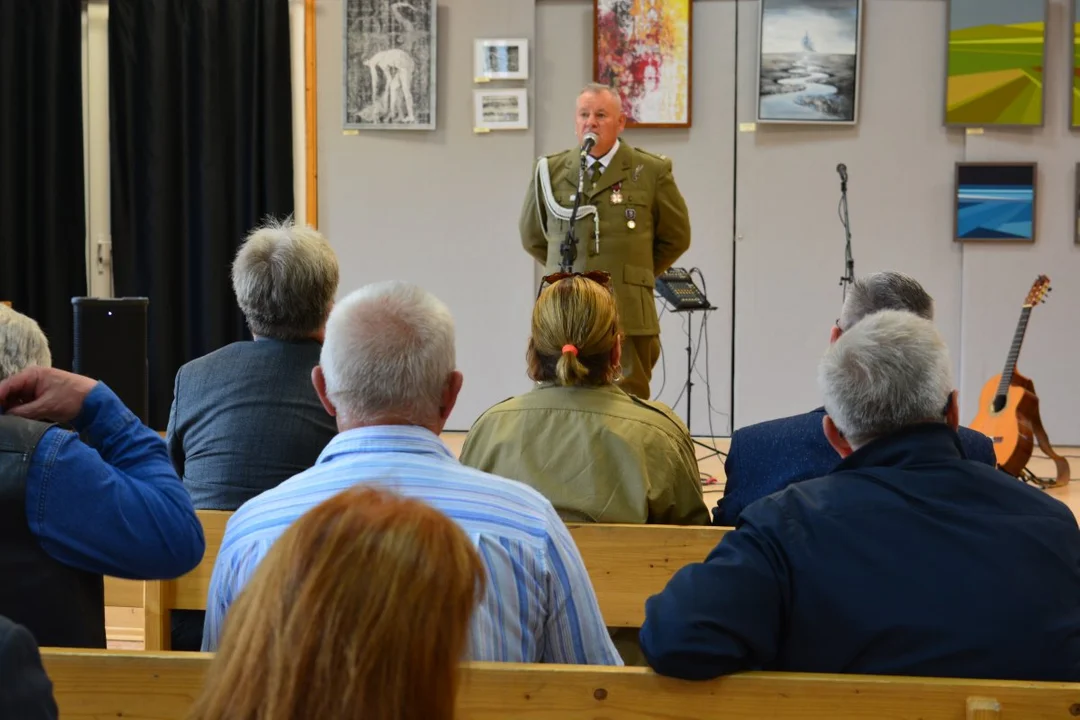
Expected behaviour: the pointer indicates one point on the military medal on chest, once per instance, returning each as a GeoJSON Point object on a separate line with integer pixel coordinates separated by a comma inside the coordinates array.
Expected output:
{"type": "Point", "coordinates": [616, 194]}
{"type": "Point", "coordinates": [631, 218]}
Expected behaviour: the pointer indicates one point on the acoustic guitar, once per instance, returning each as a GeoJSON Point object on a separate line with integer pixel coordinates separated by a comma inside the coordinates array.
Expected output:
{"type": "Point", "coordinates": [1009, 408]}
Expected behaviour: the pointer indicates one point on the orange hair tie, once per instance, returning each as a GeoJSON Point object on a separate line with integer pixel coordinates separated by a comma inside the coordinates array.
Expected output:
{"type": "Point", "coordinates": [569, 349]}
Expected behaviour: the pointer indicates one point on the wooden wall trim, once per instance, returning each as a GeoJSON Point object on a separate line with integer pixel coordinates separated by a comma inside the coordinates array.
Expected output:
{"type": "Point", "coordinates": [312, 113]}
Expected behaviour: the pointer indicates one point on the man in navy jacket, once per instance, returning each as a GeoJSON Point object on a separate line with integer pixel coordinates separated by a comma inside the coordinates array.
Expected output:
{"type": "Point", "coordinates": [908, 559]}
{"type": "Point", "coordinates": [769, 456]}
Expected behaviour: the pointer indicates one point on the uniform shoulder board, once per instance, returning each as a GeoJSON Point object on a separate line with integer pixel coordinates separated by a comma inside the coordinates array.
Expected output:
{"type": "Point", "coordinates": [660, 410]}
{"type": "Point", "coordinates": [655, 156]}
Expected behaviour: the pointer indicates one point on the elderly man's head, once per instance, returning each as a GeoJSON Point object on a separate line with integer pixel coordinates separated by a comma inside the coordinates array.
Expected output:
{"type": "Point", "coordinates": [285, 277]}
{"type": "Point", "coordinates": [22, 343]}
{"type": "Point", "coordinates": [883, 291]}
{"type": "Point", "coordinates": [388, 359]}
{"type": "Point", "coordinates": [891, 370]}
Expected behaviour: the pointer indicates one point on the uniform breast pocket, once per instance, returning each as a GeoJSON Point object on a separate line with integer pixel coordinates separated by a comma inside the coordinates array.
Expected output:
{"type": "Point", "coordinates": [637, 214]}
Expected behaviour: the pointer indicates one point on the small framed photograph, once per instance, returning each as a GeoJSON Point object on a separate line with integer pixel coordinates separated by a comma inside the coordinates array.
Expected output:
{"type": "Point", "coordinates": [501, 59]}
{"type": "Point", "coordinates": [501, 109]}
{"type": "Point", "coordinates": [995, 202]}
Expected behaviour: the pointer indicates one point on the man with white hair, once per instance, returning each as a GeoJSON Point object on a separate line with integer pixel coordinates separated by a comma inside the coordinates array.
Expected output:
{"type": "Point", "coordinates": [387, 374]}
{"type": "Point", "coordinates": [908, 559]}
{"type": "Point", "coordinates": [73, 510]}
{"type": "Point", "coordinates": [767, 457]}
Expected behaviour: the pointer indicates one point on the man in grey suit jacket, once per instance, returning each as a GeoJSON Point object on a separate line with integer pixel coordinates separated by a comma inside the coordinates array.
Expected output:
{"type": "Point", "coordinates": [246, 417]}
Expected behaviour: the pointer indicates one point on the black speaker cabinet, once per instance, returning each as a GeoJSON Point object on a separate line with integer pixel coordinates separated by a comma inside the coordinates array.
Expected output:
{"type": "Point", "coordinates": [111, 346]}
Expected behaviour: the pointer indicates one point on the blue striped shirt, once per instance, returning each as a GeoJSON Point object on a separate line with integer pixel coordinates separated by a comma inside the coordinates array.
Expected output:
{"type": "Point", "coordinates": [539, 605]}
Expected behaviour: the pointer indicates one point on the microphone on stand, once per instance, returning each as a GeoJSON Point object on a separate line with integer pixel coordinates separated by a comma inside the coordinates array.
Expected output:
{"type": "Point", "coordinates": [842, 170]}
{"type": "Point", "coordinates": [568, 247]}
{"type": "Point", "coordinates": [587, 143]}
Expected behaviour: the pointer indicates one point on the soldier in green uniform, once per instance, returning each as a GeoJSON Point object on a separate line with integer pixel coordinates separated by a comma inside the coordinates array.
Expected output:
{"type": "Point", "coordinates": [632, 222]}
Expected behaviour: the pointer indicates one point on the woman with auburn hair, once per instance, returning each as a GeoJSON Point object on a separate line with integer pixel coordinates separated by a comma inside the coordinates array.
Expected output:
{"type": "Point", "coordinates": [597, 453]}
{"type": "Point", "coordinates": [362, 598]}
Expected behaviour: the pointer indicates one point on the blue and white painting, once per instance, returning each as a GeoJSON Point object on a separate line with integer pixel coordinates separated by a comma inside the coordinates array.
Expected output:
{"type": "Point", "coordinates": [995, 202]}
{"type": "Point", "coordinates": [808, 67]}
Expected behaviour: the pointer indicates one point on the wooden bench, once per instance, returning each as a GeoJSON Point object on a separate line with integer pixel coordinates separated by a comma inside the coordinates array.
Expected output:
{"type": "Point", "coordinates": [96, 684]}
{"type": "Point", "coordinates": [626, 564]}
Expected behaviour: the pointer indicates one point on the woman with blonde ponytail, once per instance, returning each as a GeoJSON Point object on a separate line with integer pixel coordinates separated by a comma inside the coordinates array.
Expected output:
{"type": "Point", "coordinates": [597, 453]}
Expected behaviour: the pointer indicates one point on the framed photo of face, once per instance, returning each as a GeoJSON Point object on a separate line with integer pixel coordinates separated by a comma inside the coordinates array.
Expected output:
{"type": "Point", "coordinates": [501, 59]}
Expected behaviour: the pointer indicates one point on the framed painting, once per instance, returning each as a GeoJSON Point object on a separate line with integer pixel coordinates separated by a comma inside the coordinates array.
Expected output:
{"type": "Point", "coordinates": [501, 59]}
{"type": "Point", "coordinates": [995, 201]}
{"type": "Point", "coordinates": [500, 109]}
{"type": "Point", "coordinates": [642, 48]}
{"type": "Point", "coordinates": [1076, 207]}
{"type": "Point", "coordinates": [996, 55]}
{"type": "Point", "coordinates": [1074, 86]}
{"type": "Point", "coordinates": [389, 64]}
{"type": "Point", "coordinates": [808, 61]}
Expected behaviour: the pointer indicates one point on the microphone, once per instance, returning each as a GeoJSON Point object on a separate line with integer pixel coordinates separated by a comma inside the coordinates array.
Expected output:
{"type": "Point", "coordinates": [587, 143]}
{"type": "Point", "coordinates": [842, 169]}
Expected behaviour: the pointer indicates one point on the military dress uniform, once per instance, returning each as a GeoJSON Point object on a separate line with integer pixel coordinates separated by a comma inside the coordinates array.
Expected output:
{"type": "Point", "coordinates": [632, 222]}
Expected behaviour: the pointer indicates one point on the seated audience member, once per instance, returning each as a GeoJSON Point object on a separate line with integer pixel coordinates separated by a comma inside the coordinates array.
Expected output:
{"type": "Point", "coordinates": [245, 417]}
{"type": "Point", "coordinates": [74, 511]}
{"type": "Point", "coordinates": [769, 456]}
{"type": "Point", "coordinates": [25, 689]}
{"type": "Point", "coordinates": [359, 611]}
{"type": "Point", "coordinates": [908, 559]}
{"type": "Point", "coordinates": [387, 374]}
{"type": "Point", "coordinates": [597, 453]}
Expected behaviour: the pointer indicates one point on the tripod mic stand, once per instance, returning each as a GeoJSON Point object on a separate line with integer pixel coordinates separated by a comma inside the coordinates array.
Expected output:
{"type": "Point", "coordinates": [568, 247]}
{"type": "Point", "coordinates": [688, 387]}
{"type": "Point", "coordinates": [842, 210]}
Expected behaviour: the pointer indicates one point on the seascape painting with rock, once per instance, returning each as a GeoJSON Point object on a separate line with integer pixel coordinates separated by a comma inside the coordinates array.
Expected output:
{"type": "Point", "coordinates": [809, 61]}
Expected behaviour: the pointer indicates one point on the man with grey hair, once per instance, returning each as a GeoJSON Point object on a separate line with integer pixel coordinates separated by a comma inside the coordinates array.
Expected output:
{"type": "Point", "coordinates": [24, 344]}
{"type": "Point", "coordinates": [908, 559]}
{"type": "Point", "coordinates": [767, 457]}
{"type": "Point", "coordinates": [76, 506]}
{"type": "Point", "coordinates": [388, 375]}
{"type": "Point", "coordinates": [245, 417]}
{"type": "Point", "coordinates": [632, 222]}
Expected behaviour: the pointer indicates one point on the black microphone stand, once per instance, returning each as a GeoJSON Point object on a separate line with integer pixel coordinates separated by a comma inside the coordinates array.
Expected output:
{"type": "Point", "coordinates": [568, 247]}
{"type": "Point", "coordinates": [849, 260]}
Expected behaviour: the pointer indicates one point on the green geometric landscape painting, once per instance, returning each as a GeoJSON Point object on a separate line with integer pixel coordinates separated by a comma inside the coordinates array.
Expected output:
{"type": "Point", "coordinates": [996, 55]}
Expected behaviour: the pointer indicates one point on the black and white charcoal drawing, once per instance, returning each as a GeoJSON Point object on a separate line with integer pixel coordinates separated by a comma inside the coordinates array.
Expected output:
{"type": "Point", "coordinates": [390, 64]}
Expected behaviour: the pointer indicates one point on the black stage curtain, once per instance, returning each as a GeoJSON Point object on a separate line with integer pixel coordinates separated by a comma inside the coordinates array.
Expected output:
{"type": "Point", "coordinates": [42, 207]}
{"type": "Point", "coordinates": [201, 146]}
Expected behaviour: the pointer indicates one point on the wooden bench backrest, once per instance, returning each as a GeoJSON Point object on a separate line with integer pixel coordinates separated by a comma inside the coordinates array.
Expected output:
{"type": "Point", "coordinates": [629, 563]}
{"type": "Point", "coordinates": [94, 684]}
{"type": "Point", "coordinates": [626, 564]}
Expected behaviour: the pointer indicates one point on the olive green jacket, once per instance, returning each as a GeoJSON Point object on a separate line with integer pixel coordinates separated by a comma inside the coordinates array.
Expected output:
{"type": "Point", "coordinates": [641, 217]}
{"type": "Point", "coordinates": [598, 454]}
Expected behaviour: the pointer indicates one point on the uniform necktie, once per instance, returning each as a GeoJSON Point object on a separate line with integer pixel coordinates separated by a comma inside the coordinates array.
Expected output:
{"type": "Point", "coordinates": [596, 170]}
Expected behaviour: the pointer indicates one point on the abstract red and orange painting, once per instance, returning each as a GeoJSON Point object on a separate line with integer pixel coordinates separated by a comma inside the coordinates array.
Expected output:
{"type": "Point", "coordinates": [642, 48]}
